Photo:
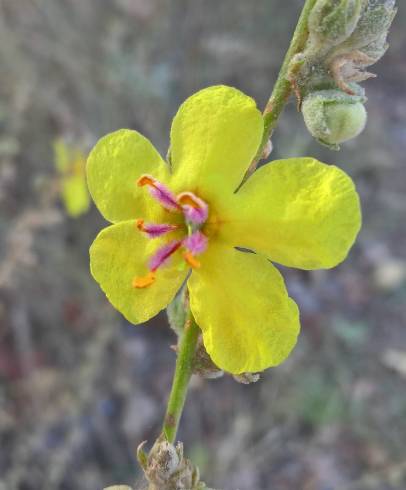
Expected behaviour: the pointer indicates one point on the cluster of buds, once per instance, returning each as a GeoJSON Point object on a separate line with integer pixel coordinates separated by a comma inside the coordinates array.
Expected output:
{"type": "Point", "coordinates": [345, 38]}
{"type": "Point", "coordinates": [166, 468]}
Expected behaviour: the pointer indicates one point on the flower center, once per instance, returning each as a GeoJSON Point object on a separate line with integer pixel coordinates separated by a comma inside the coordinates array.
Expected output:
{"type": "Point", "coordinates": [195, 213]}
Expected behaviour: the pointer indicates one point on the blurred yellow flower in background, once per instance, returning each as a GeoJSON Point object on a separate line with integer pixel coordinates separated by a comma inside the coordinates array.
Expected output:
{"type": "Point", "coordinates": [70, 163]}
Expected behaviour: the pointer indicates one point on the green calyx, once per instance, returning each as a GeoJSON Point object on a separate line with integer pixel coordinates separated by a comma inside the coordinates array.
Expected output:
{"type": "Point", "coordinates": [333, 117]}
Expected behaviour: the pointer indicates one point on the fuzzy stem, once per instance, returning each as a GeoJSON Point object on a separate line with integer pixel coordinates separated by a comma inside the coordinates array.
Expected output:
{"type": "Point", "coordinates": [283, 87]}
{"type": "Point", "coordinates": [183, 372]}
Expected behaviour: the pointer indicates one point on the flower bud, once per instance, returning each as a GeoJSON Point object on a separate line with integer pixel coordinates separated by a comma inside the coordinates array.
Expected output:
{"type": "Point", "coordinates": [333, 21]}
{"type": "Point", "coordinates": [333, 117]}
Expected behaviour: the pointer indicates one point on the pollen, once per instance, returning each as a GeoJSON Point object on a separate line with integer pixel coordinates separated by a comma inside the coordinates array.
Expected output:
{"type": "Point", "coordinates": [191, 260]}
{"type": "Point", "coordinates": [144, 282]}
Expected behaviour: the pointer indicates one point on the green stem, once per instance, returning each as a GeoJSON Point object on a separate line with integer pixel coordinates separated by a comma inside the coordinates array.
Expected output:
{"type": "Point", "coordinates": [187, 347]}
{"type": "Point", "coordinates": [283, 87]}
{"type": "Point", "coordinates": [183, 372]}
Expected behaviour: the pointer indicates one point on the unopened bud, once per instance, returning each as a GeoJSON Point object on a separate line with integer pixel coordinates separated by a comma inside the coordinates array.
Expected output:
{"type": "Point", "coordinates": [333, 117]}
{"type": "Point", "coordinates": [345, 38]}
{"type": "Point", "coordinates": [333, 21]}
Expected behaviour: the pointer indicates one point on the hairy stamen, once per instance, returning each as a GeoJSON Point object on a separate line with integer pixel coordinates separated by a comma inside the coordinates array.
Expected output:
{"type": "Point", "coordinates": [195, 212]}
{"type": "Point", "coordinates": [162, 255]}
{"type": "Point", "coordinates": [160, 192]}
{"type": "Point", "coordinates": [196, 243]}
{"type": "Point", "coordinates": [155, 230]}
{"type": "Point", "coordinates": [194, 209]}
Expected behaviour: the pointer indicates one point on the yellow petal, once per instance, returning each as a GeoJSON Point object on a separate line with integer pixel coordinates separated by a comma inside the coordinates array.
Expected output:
{"type": "Point", "coordinates": [214, 137]}
{"type": "Point", "coordinates": [113, 168]}
{"type": "Point", "coordinates": [240, 302]}
{"type": "Point", "coordinates": [298, 212]}
{"type": "Point", "coordinates": [119, 254]}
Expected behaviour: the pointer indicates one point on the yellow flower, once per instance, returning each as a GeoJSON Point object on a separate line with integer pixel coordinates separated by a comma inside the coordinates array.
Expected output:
{"type": "Point", "coordinates": [70, 163]}
{"type": "Point", "coordinates": [182, 222]}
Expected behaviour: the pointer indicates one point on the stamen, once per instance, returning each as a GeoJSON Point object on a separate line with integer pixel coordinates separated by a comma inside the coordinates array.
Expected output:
{"type": "Point", "coordinates": [196, 243]}
{"type": "Point", "coordinates": [144, 282]}
{"type": "Point", "coordinates": [155, 230]}
{"type": "Point", "coordinates": [194, 209]}
{"type": "Point", "coordinates": [187, 198]}
{"type": "Point", "coordinates": [140, 224]}
{"type": "Point", "coordinates": [162, 255]}
{"type": "Point", "coordinates": [195, 212]}
{"type": "Point", "coordinates": [145, 180]}
{"type": "Point", "coordinates": [191, 260]}
{"type": "Point", "coordinates": [160, 192]}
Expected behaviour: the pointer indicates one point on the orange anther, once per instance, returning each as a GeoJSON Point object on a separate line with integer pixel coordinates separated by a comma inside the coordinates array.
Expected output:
{"type": "Point", "coordinates": [145, 180]}
{"type": "Point", "coordinates": [144, 282]}
{"type": "Point", "coordinates": [140, 224]}
{"type": "Point", "coordinates": [191, 260]}
{"type": "Point", "coordinates": [188, 200]}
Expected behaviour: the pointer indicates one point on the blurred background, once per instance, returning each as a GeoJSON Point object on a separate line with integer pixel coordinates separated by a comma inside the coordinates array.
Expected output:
{"type": "Point", "coordinates": [79, 387]}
